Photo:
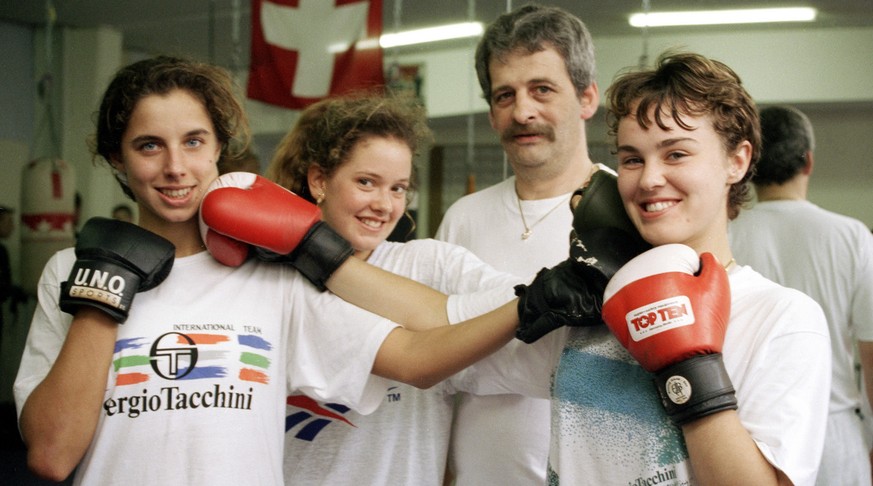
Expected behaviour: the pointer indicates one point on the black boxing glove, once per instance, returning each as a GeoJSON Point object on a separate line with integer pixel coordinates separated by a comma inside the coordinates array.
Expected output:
{"type": "Point", "coordinates": [601, 223]}
{"type": "Point", "coordinates": [115, 260]}
{"type": "Point", "coordinates": [568, 294]}
{"type": "Point", "coordinates": [319, 254]}
{"type": "Point", "coordinates": [603, 239]}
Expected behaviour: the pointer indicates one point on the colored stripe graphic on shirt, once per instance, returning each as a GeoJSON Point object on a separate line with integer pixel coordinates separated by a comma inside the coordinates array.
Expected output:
{"type": "Point", "coordinates": [250, 359]}
{"type": "Point", "coordinates": [205, 338]}
{"type": "Point", "coordinates": [248, 374]}
{"type": "Point", "coordinates": [253, 341]}
{"type": "Point", "coordinates": [313, 416]}
{"type": "Point", "coordinates": [203, 354]}
{"type": "Point", "coordinates": [130, 378]}
{"type": "Point", "coordinates": [130, 361]}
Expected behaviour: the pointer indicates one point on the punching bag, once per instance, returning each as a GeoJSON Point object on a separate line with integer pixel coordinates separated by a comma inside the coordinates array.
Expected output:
{"type": "Point", "coordinates": [47, 215]}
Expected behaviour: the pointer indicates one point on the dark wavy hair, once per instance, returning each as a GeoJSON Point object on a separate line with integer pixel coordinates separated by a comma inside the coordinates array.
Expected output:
{"type": "Point", "coordinates": [787, 136]}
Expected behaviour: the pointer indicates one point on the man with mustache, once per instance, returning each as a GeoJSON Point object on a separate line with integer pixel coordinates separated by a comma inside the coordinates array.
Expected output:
{"type": "Point", "coordinates": [536, 69]}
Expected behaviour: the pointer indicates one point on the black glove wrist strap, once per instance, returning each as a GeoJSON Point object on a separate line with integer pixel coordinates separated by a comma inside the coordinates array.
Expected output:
{"type": "Point", "coordinates": [696, 387]}
{"type": "Point", "coordinates": [320, 253]}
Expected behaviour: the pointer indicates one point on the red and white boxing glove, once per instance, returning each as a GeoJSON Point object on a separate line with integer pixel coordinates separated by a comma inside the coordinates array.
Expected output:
{"type": "Point", "coordinates": [242, 209]}
{"type": "Point", "coordinates": [670, 309]}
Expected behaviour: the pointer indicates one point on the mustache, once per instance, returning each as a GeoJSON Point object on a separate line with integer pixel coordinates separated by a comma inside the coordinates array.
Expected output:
{"type": "Point", "coordinates": [538, 129]}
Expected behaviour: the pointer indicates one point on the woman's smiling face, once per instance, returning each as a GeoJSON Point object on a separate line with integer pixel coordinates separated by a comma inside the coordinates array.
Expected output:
{"type": "Point", "coordinates": [168, 155]}
{"type": "Point", "coordinates": [674, 181]}
{"type": "Point", "coordinates": [366, 195]}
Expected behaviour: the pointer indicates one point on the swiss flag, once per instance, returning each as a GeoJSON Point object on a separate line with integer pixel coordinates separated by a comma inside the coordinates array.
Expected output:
{"type": "Point", "coordinates": [306, 50]}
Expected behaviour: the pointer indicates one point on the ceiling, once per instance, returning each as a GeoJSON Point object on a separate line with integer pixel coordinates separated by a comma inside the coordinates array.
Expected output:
{"type": "Point", "coordinates": [205, 28]}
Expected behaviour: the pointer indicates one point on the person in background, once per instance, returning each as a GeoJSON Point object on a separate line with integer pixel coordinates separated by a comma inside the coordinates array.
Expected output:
{"type": "Point", "coordinates": [7, 225]}
{"type": "Point", "coordinates": [12, 294]}
{"type": "Point", "coordinates": [535, 66]}
{"type": "Point", "coordinates": [77, 213]}
{"type": "Point", "coordinates": [123, 212]}
{"type": "Point", "coordinates": [352, 156]}
{"type": "Point", "coordinates": [825, 255]}
{"type": "Point", "coordinates": [9, 291]}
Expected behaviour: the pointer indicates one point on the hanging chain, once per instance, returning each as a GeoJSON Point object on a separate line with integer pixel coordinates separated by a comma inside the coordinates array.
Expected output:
{"type": "Point", "coordinates": [236, 19]}
{"type": "Point", "coordinates": [471, 121]}
{"type": "Point", "coordinates": [644, 57]}
{"type": "Point", "coordinates": [45, 89]}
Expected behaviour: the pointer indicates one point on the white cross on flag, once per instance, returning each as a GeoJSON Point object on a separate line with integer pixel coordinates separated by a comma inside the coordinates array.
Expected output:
{"type": "Point", "coordinates": [306, 50]}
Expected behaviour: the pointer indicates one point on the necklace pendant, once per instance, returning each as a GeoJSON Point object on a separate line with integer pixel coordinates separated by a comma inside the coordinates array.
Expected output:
{"type": "Point", "coordinates": [526, 234]}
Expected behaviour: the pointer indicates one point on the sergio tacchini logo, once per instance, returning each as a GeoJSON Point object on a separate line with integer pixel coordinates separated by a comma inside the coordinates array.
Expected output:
{"type": "Point", "coordinates": [173, 355]}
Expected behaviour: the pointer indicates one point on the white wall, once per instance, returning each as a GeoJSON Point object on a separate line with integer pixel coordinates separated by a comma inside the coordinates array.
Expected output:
{"type": "Point", "coordinates": [791, 65]}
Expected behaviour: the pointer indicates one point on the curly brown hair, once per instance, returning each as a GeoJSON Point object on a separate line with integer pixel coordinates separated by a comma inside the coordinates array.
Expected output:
{"type": "Point", "coordinates": [327, 132]}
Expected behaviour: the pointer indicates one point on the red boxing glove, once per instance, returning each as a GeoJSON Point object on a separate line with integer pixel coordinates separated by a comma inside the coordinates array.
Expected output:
{"type": "Point", "coordinates": [242, 209]}
{"type": "Point", "coordinates": [226, 250]}
{"type": "Point", "coordinates": [257, 211]}
{"type": "Point", "coordinates": [672, 319]}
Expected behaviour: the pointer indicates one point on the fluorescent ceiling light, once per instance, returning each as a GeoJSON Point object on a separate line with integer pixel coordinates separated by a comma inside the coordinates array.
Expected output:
{"type": "Point", "coordinates": [417, 36]}
{"type": "Point", "coordinates": [431, 34]}
{"type": "Point", "coordinates": [713, 17]}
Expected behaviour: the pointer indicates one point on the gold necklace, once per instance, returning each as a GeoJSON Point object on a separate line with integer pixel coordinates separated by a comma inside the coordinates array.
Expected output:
{"type": "Point", "coordinates": [528, 230]}
{"type": "Point", "coordinates": [729, 264]}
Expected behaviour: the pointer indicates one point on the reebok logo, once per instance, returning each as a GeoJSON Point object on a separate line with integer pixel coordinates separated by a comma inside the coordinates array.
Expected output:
{"type": "Point", "coordinates": [311, 417]}
{"type": "Point", "coordinates": [657, 317]}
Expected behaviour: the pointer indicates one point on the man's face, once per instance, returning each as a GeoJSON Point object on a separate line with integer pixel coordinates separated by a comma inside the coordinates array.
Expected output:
{"type": "Point", "coordinates": [535, 108]}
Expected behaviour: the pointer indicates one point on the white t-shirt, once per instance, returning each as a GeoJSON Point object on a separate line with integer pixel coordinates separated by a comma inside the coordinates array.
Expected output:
{"type": "Point", "coordinates": [201, 367]}
{"type": "Point", "coordinates": [405, 441]}
{"type": "Point", "coordinates": [824, 255]}
{"type": "Point", "coordinates": [829, 257]}
{"type": "Point", "coordinates": [609, 427]}
{"type": "Point", "coordinates": [504, 439]}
